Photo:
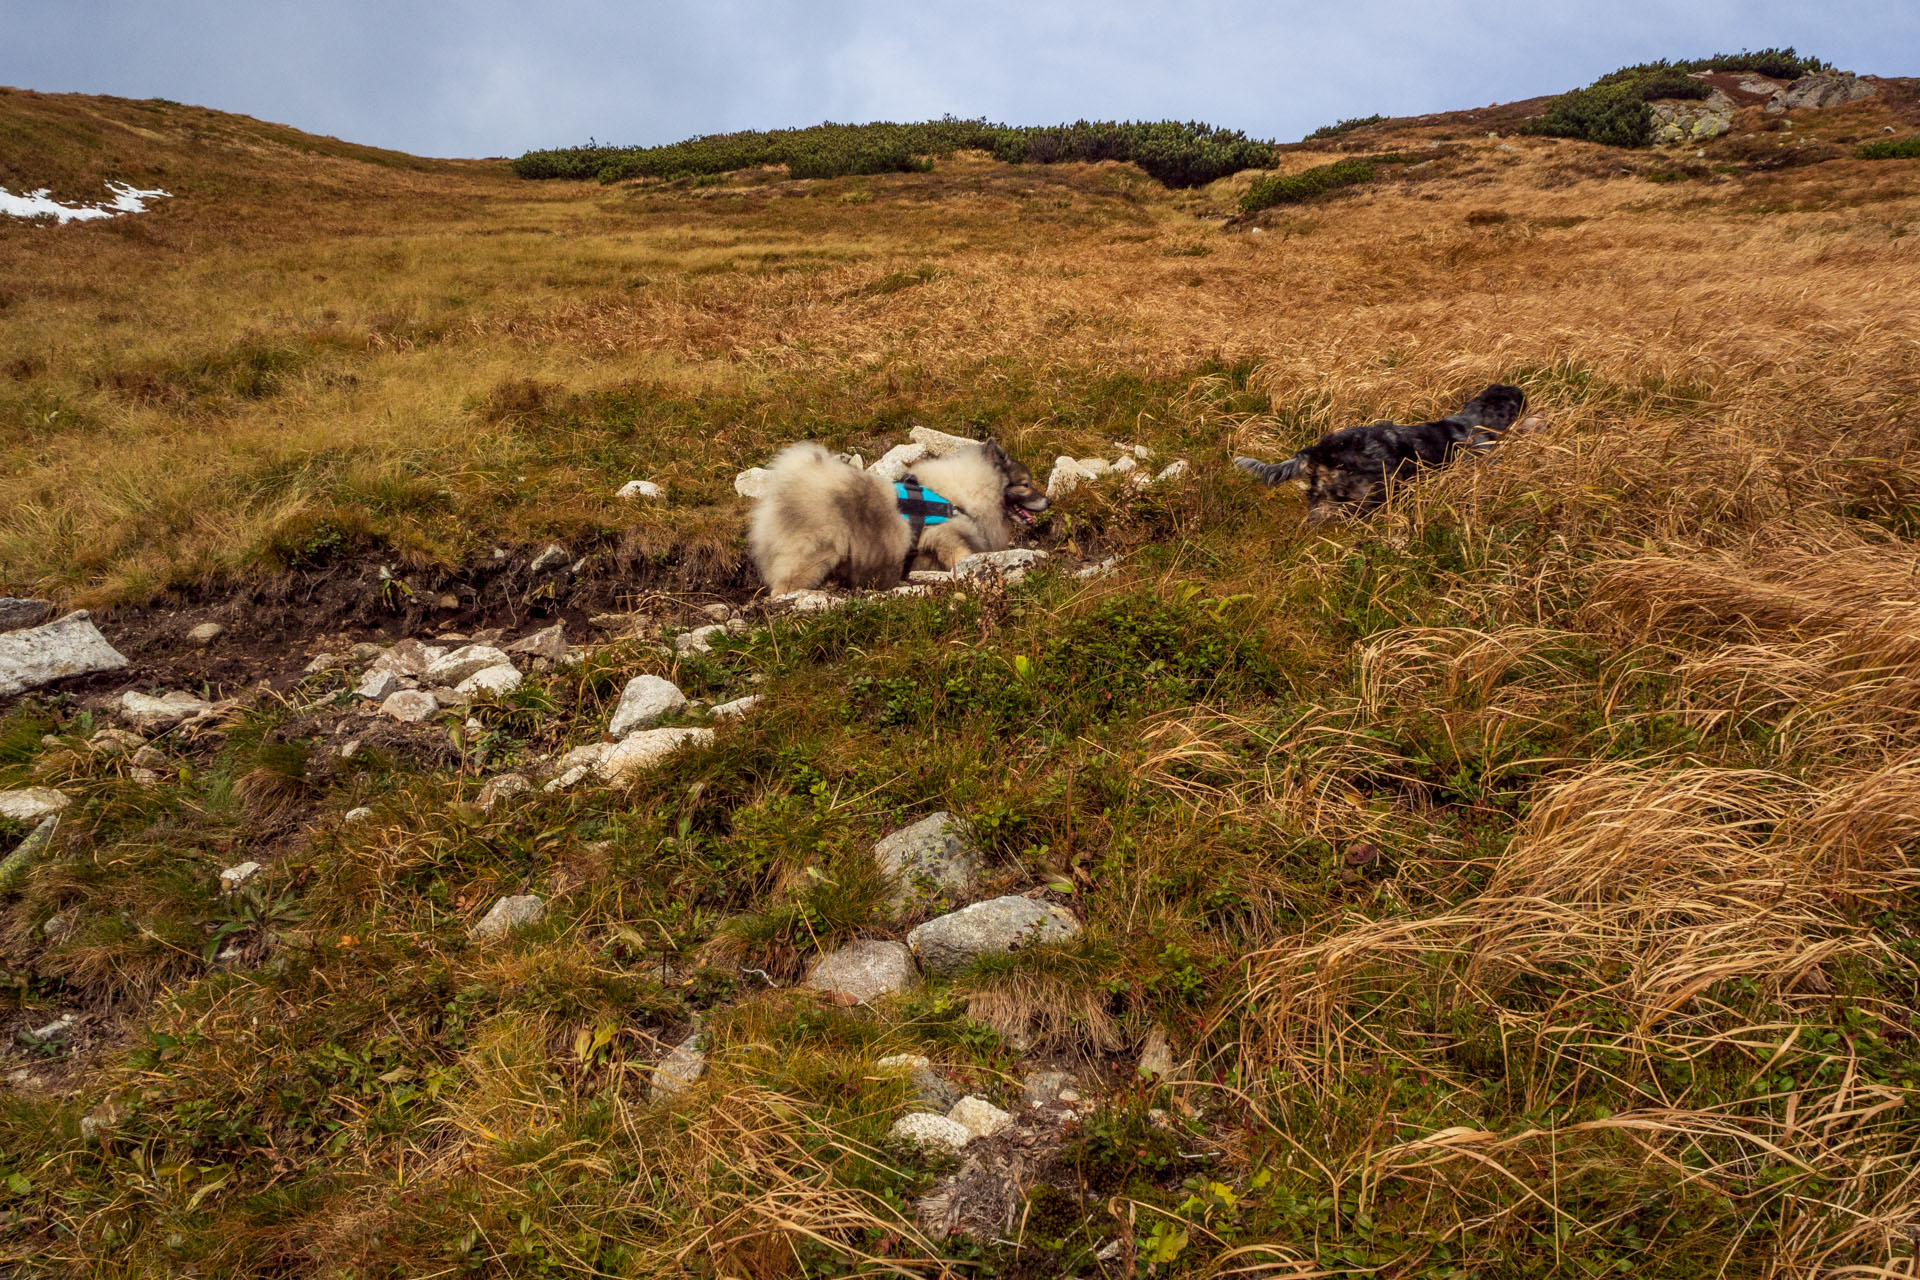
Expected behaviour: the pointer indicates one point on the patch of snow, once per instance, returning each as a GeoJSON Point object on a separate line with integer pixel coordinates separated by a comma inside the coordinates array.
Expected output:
{"type": "Point", "coordinates": [41, 204]}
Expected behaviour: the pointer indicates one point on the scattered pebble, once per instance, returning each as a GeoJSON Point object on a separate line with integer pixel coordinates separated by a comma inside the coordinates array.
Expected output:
{"type": "Point", "coordinates": [550, 643]}
{"type": "Point", "coordinates": [738, 707]}
{"type": "Point", "coordinates": [509, 914]}
{"type": "Point", "coordinates": [553, 557]}
{"type": "Point", "coordinates": [700, 639]}
{"type": "Point", "coordinates": [923, 1128]}
{"type": "Point", "coordinates": [410, 705]}
{"type": "Point", "coordinates": [645, 701]}
{"type": "Point", "coordinates": [980, 1118]}
{"type": "Point", "coordinates": [360, 814]}
{"type": "Point", "coordinates": [32, 804]}
{"type": "Point", "coordinates": [864, 970]}
{"type": "Point", "coordinates": [679, 1070]}
{"type": "Point", "coordinates": [206, 633]}
{"type": "Point", "coordinates": [636, 489]}
{"type": "Point", "coordinates": [949, 943]}
{"type": "Point", "coordinates": [504, 787]}
{"type": "Point", "coordinates": [645, 749]}
{"type": "Point", "coordinates": [496, 680]}
{"type": "Point", "coordinates": [378, 686]}
{"type": "Point", "coordinates": [152, 715]}
{"type": "Point", "coordinates": [236, 877]}
{"type": "Point", "coordinates": [463, 662]}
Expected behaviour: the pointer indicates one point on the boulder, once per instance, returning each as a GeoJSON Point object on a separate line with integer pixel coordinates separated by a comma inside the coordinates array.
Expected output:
{"type": "Point", "coordinates": [409, 658]}
{"type": "Point", "coordinates": [504, 787]}
{"type": "Point", "coordinates": [69, 646]}
{"type": "Point", "coordinates": [807, 601]}
{"type": "Point", "coordinates": [1011, 564]}
{"type": "Point", "coordinates": [931, 863]}
{"type": "Point", "coordinates": [16, 613]}
{"type": "Point", "coordinates": [679, 1070]}
{"type": "Point", "coordinates": [645, 700]}
{"type": "Point", "coordinates": [930, 1090]}
{"type": "Point", "coordinates": [645, 749]}
{"type": "Point", "coordinates": [509, 914]}
{"type": "Point", "coordinates": [633, 490]}
{"type": "Point", "coordinates": [1065, 477]}
{"type": "Point", "coordinates": [980, 1118]}
{"type": "Point", "coordinates": [924, 1129]}
{"type": "Point", "coordinates": [153, 715]}
{"type": "Point", "coordinates": [863, 970]}
{"type": "Point", "coordinates": [949, 943]}
{"type": "Point", "coordinates": [495, 680]}
{"type": "Point", "coordinates": [1821, 89]}
{"type": "Point", "coordinates": [700, 639]}
{"type": "Point", "coordinates": [32, 804]}
{"type": "Point", "coordinates": [938, 444]}
{"type": "Point", "coordinates": [753, 482]}
{"type": "Point", "coordinates": [550, 642]}
{"type": "Point", "coordinates": [206, 633]}
{"type": "Point", "coordinates": [897, 461]}
{"type": "Point", "coordinates": [737, 708]}
{"type": "Point", "coordinates": [410, 705]}
{"type": "Point", "coordinates": [454, 667]}
{"type": "Point", "coordinates": [378, 686]}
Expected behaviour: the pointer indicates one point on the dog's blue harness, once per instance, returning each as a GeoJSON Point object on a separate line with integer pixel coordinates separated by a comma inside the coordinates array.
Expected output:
{"type": "Point", "coordinates": [921, 507]}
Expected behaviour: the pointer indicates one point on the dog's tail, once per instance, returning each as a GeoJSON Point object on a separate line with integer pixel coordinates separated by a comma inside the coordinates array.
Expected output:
{"type": "Point", "coordinates": [1488, 415]}
{"type": "Point", "coordinates": [1271, 472]}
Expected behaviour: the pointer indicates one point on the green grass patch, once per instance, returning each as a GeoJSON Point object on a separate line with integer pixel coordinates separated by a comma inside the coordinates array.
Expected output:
{"type": "Point", "coordinates": [1891, 149]}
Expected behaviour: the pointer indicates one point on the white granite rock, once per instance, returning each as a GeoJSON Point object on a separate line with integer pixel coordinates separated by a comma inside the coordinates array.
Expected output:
{"type": "Point", "coordinates": [504, 787]}
{"type": "Point", "coordinates": [863, 970]}
{"type": "Point", "coordinates": [409, 657]}
{"type": "Point", "coordinates": [410, 705]}
{"type": "Point", "coordinates": [1174, 470]}
{"type": "Point", "coordinates": [635, 489]}
{"type": "Point", "coordinates": [378, 686]}
{"type": "Point", "coordinates": [1010, 564]}
{"type": "Point", "coordinates": [236, 877]}
{"type": "Point", "coordinates": [454, 667]}
{"type": "Point", "coordinates": [938, 444]}
{"type": "Point", "coordinates": [498, 679]}
{"type": "Point", "coordinates": [17, 612]}
{"type": "Point", "coordinates": [645, 700]}
{"type": "Point", "coordinates": [509, 914]}
{"type": "Point", "coordinates": [645, 749]}
{"type": "Point", "coordinates": [152, 715]}
{"type": "Point", "coordinates": [931, 863]}
{"type": "Point", "coordinates": [753, 482]}
{"type": "Point", "coordinates": [980, 1118]}
{"type": "Point", "coordinates": [69, 646]}
{"type": "Point", "coordinates": [359, 814]}
{"type": "Point", "coordinates": [679, 1070]}
{"type": "Point", "coordinates": [550, 642]}
{"type": "Point", "coordinates": [897, 461]}
{"type": "Point", "coordinates": [807, 601]}
{"type": "Point", "coordinates": [30, 805]}
{"type": "Point", "coordinates": [923, 1128]}
{"type": "Point", "coordinates": [951, 942]}
{"type": "Point", "coordinates": [737, 708]}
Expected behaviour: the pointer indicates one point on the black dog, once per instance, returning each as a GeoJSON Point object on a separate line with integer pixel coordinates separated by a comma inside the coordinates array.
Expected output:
{"type": "Point", "coordinates": [1351, 468]}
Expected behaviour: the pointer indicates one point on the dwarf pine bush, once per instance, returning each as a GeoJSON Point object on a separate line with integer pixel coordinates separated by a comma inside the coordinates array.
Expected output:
{"type": "Point", "coordinates": [1613, 109]}
{"type": "Point", "coordinates": [1291, 188]}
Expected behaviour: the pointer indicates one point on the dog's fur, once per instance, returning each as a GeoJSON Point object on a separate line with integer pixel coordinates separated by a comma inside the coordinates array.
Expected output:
{"type": "Point", "coordinates": [1349, 470]}
{"type": "Point", "coordinates": [823, 518]}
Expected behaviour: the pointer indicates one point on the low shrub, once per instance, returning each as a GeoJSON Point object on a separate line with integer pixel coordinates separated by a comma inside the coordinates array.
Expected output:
{"type": "Point", "coordinates": [1613, 111]}
{"type": "Point", "coordinates": [1343, 126]}
{"type": "Point", "coordinates": [1891, 149]}
{"type": "Point", "coordinates": [1176, 154]}
{"type": "Point", "coordinates": [1291, 188]}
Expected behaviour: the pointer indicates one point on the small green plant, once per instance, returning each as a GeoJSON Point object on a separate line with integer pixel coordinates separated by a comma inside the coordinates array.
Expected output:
{"type": "Point", "coordinates": [1291, 188]}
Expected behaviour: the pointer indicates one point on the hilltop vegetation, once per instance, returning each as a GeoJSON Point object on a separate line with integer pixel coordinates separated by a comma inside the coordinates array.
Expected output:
{"type": "Point", "coordinates": [1613, 109]}
{"type": "Point", "coordinates": [1175, 154]}
{"type": "Point", "coordinates": [1523, 880]}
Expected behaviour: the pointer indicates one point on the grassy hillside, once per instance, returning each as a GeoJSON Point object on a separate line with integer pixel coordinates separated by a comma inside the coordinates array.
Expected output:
{"type": "Point", "coordinates": [1523, 879]}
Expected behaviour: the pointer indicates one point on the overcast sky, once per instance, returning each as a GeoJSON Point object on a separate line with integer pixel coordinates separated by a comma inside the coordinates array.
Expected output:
{"type": "Point", "coordinates": [495, 77]}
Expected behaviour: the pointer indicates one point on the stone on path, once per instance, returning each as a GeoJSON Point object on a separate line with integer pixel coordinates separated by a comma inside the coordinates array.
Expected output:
{"type": "Point", "coordinates": [31, 804]}
{"type": "Point", "coordinates": [737, 708]}
{"type": "Point", "coordinates": [863, 970]}
{"type": "Point", "coordinates": [410, 705]}
{"type": "Point", "coordinates": [931, 863]}
{"type": "Point", "coordinates": [949, 943]}
{"type": "Point", "coordinates": [463, 662]}
{"type": "Point", "coordinates": [645, 700]}
{"type": "Point", "coordinates": [551, 642]}
{"type": "Point", "coordinates": [69, 646]}
{"type": "Point", "coordinates": [501, 678]}
{"type": "Point", "coordinates": [923, 1128]}
{"type": "Point", "coordinates": [679, 1070]}
{"type": "Point", "coordinates": [645, 749]}
{"type": "Point", "coordinates": [938, 444]}
{"type": "Point", "coordinates": [152, 715]}
{"type": "Point", "coordinates": [980, 1118]}
{"type": "Point", "coordinates": [504, 787]}
{"type": "Point", "coordinates": [509, 914]}
{"type": "Point", "coordinates": [16, 613]}
{"type": "Point", "coordinates": [409, 657]}
{"type": "Point", "coordinates": [378, 686]}
{"type": "Point", "coordinates": [636, 489]}
{"type": "Point", "coordinates": [897, 461]}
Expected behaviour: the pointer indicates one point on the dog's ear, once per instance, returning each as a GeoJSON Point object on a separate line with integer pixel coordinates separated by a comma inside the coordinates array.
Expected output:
{"type": "Point", "coordinates": [995, 454]}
